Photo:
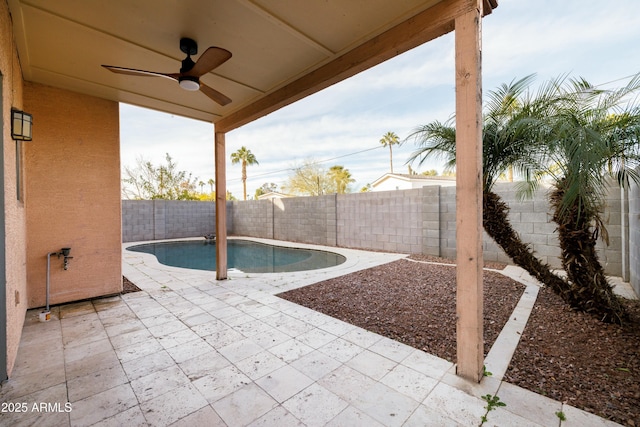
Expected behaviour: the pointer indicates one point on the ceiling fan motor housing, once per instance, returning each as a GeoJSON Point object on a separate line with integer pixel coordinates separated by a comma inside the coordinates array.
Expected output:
{"type": "Point", "coordinates": [188, 46]}
{"type": "Point", "coordinates": [187, 65]}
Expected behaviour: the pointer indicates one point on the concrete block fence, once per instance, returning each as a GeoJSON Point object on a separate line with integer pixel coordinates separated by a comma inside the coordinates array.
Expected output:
{"type": "Point", "coordinates": [167, 219]}
{"type": "Point", "coordinates": [633, 247]}
{"type": "Point", "coordinates": [421, 220]}
{"type": "Point", "coordinates": [395, 221]}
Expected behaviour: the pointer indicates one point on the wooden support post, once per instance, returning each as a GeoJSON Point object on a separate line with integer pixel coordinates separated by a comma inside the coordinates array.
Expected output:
{"type": "Point", "coordinates": [469, 330]}
{"type": "Point", "coordinates": [221, 206]}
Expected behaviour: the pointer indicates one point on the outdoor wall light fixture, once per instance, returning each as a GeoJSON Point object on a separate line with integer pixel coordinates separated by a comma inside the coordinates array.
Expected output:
{"type": "Point", "coordinates": [21, 125]}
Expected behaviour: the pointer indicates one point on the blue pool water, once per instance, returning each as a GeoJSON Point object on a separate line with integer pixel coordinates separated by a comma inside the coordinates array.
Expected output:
{"type": "Point", "coordinates": [243, 255]}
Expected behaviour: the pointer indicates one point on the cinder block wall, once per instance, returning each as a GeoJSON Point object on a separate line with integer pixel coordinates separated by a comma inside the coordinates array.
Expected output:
{"type": "Point", "coordinates": [431, 220]}
{"type": "Point", "coordinates": [531, 219]}
{"type": "Point", "coordinates": [395, 221]}
{"type": "Point", "coordinates": [447, 223]}
{"type": "Point", "coordinates": [305, 219]}
{"type": "Point", "coordinates": [421, 220]}
{"type": "Point", "coordinates": [184, 217]}
{"type": "Point", "coordinates": [634, 237]}
{"type": "Point", "coordinates": [611, 255]}
{"type": "Point", "coordinates": [166, 219]}
{"type": "Point", "coordinates": [253, 218]}
{"type": "Point", "coordinates": [137, 220]}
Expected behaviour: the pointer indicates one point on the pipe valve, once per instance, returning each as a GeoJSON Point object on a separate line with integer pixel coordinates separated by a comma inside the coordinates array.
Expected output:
{"type": "Point", "coordinates": [65, 253]}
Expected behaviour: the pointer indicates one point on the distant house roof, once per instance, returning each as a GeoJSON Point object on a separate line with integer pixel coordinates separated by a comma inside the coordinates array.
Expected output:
{"type": "Point", "coordinates": [273, 195]}
{"type": "Point", "coordinates": [413, 181]}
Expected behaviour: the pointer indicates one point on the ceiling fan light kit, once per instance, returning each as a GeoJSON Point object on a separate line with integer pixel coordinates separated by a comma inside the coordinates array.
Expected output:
{"type": "Point", "coordinates": [189, 76]}
{"type": "Point", "coordinates": [189, 83]}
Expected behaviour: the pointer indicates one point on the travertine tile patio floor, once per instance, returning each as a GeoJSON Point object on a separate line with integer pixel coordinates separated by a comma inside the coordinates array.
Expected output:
{"type": "Point", "coordinates": [192, 351]}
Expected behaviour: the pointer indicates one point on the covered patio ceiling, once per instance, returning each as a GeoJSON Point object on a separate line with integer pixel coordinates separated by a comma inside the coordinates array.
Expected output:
{"type": "Point", "coordinates": [281, 50]}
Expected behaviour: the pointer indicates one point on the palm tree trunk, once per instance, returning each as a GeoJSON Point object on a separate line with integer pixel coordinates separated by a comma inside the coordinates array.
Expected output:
{"type": "Point", "coordinates": [495, 221]}
{"type": "Point", "coordinates": [391, 158]}
{"type": "Point", "coordinates": [244, 179]}
{"type": "Point", "coordinates": [589, 290]}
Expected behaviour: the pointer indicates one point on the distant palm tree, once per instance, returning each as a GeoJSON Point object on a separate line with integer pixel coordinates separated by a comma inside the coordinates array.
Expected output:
{"type": "Point", "coordinates": [211, 182]}
{"type": "Point", "coordinates": [341, 177]}
{"type": "Point", "coordinates": [201, 184]}
{"type": "Point", "coordinates": [245, 157]}
{"type": "Point", "coordinates": [387, 140]}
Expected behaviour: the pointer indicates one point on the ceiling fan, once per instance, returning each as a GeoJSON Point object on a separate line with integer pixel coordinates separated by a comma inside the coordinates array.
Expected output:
{"type": "Point", "coordinates": [189, 76]}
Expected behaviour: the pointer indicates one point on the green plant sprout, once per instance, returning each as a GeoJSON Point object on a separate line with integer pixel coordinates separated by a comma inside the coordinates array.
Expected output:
{"type": "Point", "coordinates": [485, 373]}
{"type": "Point", "coordinates": [492, 403]}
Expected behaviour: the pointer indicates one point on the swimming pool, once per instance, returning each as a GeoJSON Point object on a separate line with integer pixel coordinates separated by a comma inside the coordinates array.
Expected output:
{"type": "Point", "coordinates": [243, 255]}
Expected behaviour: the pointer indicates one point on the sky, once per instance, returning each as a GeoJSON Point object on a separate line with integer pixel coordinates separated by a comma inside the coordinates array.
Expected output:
{"type": "Point", "coordinates": [343, 125]}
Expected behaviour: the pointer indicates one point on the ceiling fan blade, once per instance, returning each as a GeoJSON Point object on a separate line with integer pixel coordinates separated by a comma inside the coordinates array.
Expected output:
{"type": "Point", "coordinates": [211, 58]}
{"type": "Point", "coordinates": [142, 73]}
{"type": "Point", "coordinates": [214, 94]}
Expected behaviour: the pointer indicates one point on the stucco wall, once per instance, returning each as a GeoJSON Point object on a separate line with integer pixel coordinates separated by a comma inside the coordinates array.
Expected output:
{"type": "Point", "coordinates": [14, 210]}
{"type": "Point", "coordinates": [73, 188]}
{"type": "Point", "coordinates": [391, 184]}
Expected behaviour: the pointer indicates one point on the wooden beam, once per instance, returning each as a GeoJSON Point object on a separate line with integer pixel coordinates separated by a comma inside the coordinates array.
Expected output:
{"type": "Point", "coordinates": [469, 330]}
{"type": "Point", "coordinates": [423, 27]}
{"type": "Point", "coordinates": [221, 206]}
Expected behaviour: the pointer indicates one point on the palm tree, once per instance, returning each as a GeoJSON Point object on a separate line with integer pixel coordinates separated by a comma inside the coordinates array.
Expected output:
{"type": "Point", "coordinates": [245, 157]}
{"type": "Point", "coordinates": [568, 132]}
{"type": "Point", "coordinates": [505, 144]}
{"type": "Point", "coordinates": [211, 183]}
{"type": "Point", "coordinates": [341, 177]}
{"type": "Point", "coordinates": [389, 139]}
{"type": "Point", "coordinates": [589, 137]}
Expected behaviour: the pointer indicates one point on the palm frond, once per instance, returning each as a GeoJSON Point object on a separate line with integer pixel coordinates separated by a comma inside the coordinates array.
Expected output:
{"type": "Point", "coordinates": [435, 140]}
